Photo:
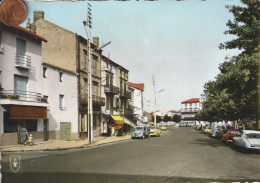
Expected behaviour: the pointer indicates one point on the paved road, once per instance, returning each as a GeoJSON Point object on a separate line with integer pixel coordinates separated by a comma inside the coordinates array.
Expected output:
{"type": "Point", "coordinates": [179, 155]}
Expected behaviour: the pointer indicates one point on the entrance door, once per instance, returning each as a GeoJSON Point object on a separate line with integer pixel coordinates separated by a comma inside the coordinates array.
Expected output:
{"type": "Point", "coordinates": [65, 131]}
{"type": "Point", "coordinates": [45, 130]}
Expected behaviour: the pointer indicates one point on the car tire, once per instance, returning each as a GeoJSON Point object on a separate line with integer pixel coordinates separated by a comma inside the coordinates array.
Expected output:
{"type": "Point", "coordinates": [148, 136]}
{"type": "Point", "coordinates": [143, 136]}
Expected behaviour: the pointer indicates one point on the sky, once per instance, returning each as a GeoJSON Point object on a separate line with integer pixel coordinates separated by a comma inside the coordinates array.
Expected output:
{"type": "Point", "coordinates": [176, 41]}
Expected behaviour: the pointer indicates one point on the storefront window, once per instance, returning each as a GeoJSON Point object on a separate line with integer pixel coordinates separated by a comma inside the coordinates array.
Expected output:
{"type": "Point", "coordinates": [10, 125]}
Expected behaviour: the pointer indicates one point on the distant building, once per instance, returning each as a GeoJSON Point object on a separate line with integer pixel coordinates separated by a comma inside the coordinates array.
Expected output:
{"type": "Point", "coordinates": [190, 108]}
{"type": "Point", "coordinates": [136, 102]}
{"type": "Point", "coordinates": [171, 113]}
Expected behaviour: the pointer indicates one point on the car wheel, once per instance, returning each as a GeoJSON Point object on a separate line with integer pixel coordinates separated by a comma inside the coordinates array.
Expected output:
{"type": "Point", "coordinates": [143, 136]}
{"type": "Point", "coordinates": [148, 136]}
{"type": "Point", "coordinates": [159, 135]}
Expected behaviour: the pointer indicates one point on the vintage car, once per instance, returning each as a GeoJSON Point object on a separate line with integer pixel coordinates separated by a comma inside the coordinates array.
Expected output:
{"type": "Point", "coordinates": [207, 130]}
{"type": "Point", "coordinates": [163, 128]}
{"type": "Point", "coordinates": [141, 132]}
{"type": "Point", "coordinates": [155, 131]}
{"type": "Point", "coordinates": [231, 133]}
{"type": "Point", "coordinates": [249, 139]}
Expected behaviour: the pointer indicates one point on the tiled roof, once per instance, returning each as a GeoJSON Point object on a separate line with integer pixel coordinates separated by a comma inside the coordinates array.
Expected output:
{"type": "Point", "coordinates": [156, 111]}
{"type": "Point", "coordinates": [191, 100]}
{"type": "Point", "coordinates": [139, 86]}
{"type": "Point", "coordinates": [19, 28]}
{"type": "Point", "coordinates": [173, 111]}
{"type": "Point", "coordinates": [114, 62]}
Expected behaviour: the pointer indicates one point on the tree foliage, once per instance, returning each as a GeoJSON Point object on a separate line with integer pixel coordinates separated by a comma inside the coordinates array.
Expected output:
{"type": "Point", "coordinates": [176, 118]}
{"type": "Point", "coordinates": [233, 94]}
{"type": "Point", "coordinates": [166, 118]}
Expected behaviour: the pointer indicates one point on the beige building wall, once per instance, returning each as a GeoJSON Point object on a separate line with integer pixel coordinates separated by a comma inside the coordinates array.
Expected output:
{"type": "Point", "coordinates": [61, 49]}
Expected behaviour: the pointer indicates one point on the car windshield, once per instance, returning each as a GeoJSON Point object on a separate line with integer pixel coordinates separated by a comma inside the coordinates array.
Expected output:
{"type": "Point", "coordinates": [139, 128]}
{"type": "Point", "coordinates": [235, 132]}
{"type": "Point", "coordinates": [253, 135]}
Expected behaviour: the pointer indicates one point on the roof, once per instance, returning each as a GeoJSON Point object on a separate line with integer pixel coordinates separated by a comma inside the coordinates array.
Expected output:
{"type": "Point", "coordinates": [24, 30]}
{"type": "Point", "coordinates": [156, 111]}
{"type": "Point", "coordinates": [114, 62]}
{"type": "Point", "coordinates": [139, 86]}
{"type": "Point", "coordinates": [251, 131]}
{"type": "Point", "coordinates": [191, 100]}
{"type": "Point", "coordinates": [173, 111]}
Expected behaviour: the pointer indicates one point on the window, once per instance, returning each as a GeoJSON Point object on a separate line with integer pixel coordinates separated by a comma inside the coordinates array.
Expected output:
{"type": "Point", "coordinates": [185, 104]}
{"type": "Point", "coordinates": [20, 52]}
{"type": "Point", "coordinates": [190, 104]}
{"type": "Point", "coordinates": [31, 125]}
{"type": "Point", "coordinates": [61, 77]}
{"type": "Point", "coordinates": [10, 125]}
{"type": "Point", "coordinates": [95, 60]}
{"type": "Point", "coordinates": [0, 80]}
{"type": "Point", "coordinates": [85, 60]}
{"type": "Point", "coordinates": [20, 86]}
{"type": "Point", "coordinates": [95, 88]}
{"type": "Point", "coordinates": [62, 106]}
{"type": "Point", "coordinates": [45, 98]}
{"type": "Point", "coordinates": [44, 72]}
{"type": "Point", "coordinates": [86, 88]}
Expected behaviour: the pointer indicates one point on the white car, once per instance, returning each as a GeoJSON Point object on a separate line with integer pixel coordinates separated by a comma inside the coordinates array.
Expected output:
{"type": "Point", "coordinates": [249, 139]}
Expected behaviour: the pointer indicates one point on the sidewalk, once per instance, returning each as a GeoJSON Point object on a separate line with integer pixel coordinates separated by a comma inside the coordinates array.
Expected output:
{"type": "Point", "coordinates": [62, 145]}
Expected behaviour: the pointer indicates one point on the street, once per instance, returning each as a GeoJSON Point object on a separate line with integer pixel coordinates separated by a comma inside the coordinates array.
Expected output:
{"type": "Point", "coordinates": [179, 155]}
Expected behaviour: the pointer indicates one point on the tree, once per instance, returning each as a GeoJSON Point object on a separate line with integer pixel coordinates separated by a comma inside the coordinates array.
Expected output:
{"type": "Point", "coordinates": [166, 118]}
{"type": "Point", "coordinates": [233, 95]}
{"type": "Point", "coordinates": [245, 26]}
{"type": "Point", "coordinates": [176, 118]}
{"type": "Point", "coordinates": [158, 119]}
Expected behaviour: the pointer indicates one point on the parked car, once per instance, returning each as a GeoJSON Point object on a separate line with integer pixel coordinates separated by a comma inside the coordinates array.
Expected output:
{"type": "Point", "coordinates": [249, 139]}
{"type": "Point", "coordinates": [141, 132]}
{"type": "Point", "coordinates": [155, 131]}
{"type": "Point", "coordinates": [198, 127]}
{"type": "Point", "coordinates": [181, 124]}
{"type": "Point", "coordinates": [218, 130]}
{"type": "Point", "coordinates": [207, 130]}
{"type": "Point", "coordinates": [163, 128]}
{"type": "Point", "coordinates": [231, 133]}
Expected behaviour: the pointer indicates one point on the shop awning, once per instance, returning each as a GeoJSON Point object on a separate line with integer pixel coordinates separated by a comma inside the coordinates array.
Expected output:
{"type": "Point", "coordinates": [118, 119]}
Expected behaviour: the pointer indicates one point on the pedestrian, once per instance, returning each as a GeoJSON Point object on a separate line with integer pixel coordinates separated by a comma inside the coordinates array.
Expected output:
{"type": "Point", "coordinates": [24, 134]}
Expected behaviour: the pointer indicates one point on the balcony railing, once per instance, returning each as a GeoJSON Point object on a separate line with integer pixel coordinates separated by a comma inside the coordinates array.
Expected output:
{"type": "Point", "coordinates": [99, 100]}
{"type": "Point", "coordinates": [189, 110]}
{"type": "Point", "coordinates": [22, 60]}
{"type": "Point", "coordinates": [111, 89]}
{"type": "Point", "coordinates": [125, 94]}
{"type": "Point", "coordinates": [22, 95]}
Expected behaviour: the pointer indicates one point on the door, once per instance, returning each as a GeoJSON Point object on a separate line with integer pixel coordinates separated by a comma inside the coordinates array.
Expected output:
{"type": "Point", "coordinates": [45, 130]}
{"type": "Point", "coordinates": [20, 86]}
{"type": "Point", "coordinates": [65, 131]}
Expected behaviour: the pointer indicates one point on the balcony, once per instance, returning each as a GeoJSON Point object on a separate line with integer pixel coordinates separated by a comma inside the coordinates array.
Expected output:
{"type": "Point", "coordinates": [190, 110]}
{"type": "Point", "coordinates": [125, 94]}
{"type": "Point", "coordinates": [18, 97]}
{"type": "Point", "coordinates": [22, 61]}
{"type": "Point", "coordinates": [111, 89]}
{"type": "Point", "coordinates": [97, 100]}
{"type": "Point", "coordinates": [128, 112]}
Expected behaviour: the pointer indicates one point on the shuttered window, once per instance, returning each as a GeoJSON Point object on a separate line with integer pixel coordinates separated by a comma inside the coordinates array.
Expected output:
{"type": "Point", "coordinates": [20, 86]}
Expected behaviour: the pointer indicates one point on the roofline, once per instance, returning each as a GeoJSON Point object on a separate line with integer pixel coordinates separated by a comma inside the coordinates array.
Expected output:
{"type": "Point", "coordinates": [114, 63]}
{"type": "Point", "coordinates": [24, 30]}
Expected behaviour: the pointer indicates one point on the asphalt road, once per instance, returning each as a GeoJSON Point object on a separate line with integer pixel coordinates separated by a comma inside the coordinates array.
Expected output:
{"type": "Point", "coordinates": [179, 155]}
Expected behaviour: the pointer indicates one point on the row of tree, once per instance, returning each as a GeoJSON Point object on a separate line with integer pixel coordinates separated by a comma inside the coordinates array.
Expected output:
{"type": "Point", "coordinates": [233, 95]}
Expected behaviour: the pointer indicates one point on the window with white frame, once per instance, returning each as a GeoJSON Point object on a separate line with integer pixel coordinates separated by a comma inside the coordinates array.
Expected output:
{"type": "Point", "coordinates": [62, 103]}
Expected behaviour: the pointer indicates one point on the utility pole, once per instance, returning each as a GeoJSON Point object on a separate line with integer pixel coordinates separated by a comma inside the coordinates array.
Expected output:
{"type": "Point", "coordinates": [154, 100]}
{"type": "Point", "coordinates": [88, 23]}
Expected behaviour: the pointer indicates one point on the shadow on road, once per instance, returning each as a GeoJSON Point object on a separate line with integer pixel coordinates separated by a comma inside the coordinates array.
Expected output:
{"type": "Point", "coordinates": [99, 177]}
{"type": "Point", "coordinates": [208, 142]}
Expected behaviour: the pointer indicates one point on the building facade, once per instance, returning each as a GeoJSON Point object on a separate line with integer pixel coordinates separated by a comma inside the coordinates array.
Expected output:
{"type": "Point", "coordinates": [27, 98]}
{"type": "Point", "coordinates": [171, 113]}
{"type": "Point", "coordinates": [190, 108]}
{"type": "Point", "coordinates": [136, 102]}
{"type": "Point", "coordinates": [70, 52]}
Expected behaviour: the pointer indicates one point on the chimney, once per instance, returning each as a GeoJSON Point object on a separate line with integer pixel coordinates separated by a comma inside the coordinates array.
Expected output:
{"type": "Point", "coordinates": [31, 27]}
{"type": "Point", "coordinates": [38, 15]}
{"type": "Point", "coordinates": [96, 41]}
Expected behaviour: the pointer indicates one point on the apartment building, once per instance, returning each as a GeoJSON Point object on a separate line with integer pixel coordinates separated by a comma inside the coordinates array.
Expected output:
{"type": "Point", "coordinates": [25, 96]}
{"type": "Point", "coordinates": [171, 113]}
{"type": "Point", "coordinates": [116, 112]}
{"type": "Point", "coordinates": [68, 51]}
{"type": "Point", "coordinates": [136, 102]}
{"type": "Point", "coordinates": [190, 108]}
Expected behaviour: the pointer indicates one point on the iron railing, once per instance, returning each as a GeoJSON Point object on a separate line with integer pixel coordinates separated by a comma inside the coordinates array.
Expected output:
{"type": "Point", "coordinates": [23, 60]}
{"type": "Point", "coordinates": [97, 100]}
{"type": "Point", "coordinates": [111, 89]}
{"type": "Point", "coordinates": [189, 110]}
{"type": "Point", "coordinates": [22, 95]}
{"type": "Point", "coordinates": [125, 94]}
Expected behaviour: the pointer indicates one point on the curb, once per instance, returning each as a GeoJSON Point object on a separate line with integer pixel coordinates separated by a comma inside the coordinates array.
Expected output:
{"type": "Point", "coordinates": [61, 149]}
